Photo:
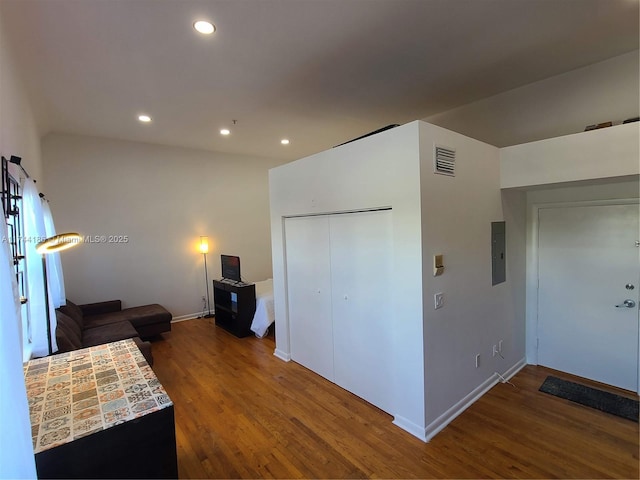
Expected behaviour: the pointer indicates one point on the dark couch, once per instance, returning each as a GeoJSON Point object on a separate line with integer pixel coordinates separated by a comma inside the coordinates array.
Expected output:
{"type": "Point", "coordinates": [81, 326]}
{"type": "Point", "coordinates": [148, 320]}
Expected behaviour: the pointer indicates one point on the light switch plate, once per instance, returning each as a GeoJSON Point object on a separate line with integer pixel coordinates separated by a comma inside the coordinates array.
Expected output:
{"type": "Point", "coordinates": [438, 300]}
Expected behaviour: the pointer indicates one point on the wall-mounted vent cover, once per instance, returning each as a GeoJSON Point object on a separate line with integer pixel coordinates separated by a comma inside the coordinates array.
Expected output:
{"type": "Point", "coordinates": [444, 161]}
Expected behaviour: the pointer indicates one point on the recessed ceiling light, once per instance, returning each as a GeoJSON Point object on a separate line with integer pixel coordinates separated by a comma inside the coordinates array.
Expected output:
{"type": "Point", "coordinates": [284, 141]}
{"type": "Point", "coordinates": [225, 131]}
{"type": "Point", "coordinates": [144, 118]}
{"type": "Point", "coordinates": [204, 27]}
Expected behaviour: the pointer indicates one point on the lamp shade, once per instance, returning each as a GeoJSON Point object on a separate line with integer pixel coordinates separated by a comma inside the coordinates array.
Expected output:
{"type": "Point", "coordinates": [204, 244]}
{"type": "Point", "coordinates": [58, 243]}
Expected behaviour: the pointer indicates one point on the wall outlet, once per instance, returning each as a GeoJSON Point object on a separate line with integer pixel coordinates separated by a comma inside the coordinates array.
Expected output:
{"type": "Point", "coordinates": [438, 300]}
{"type": "Point", "coordinates": [477, 360]}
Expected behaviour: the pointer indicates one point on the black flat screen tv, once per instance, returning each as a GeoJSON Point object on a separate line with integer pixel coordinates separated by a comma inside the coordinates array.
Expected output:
{"type": "Point", "coordinates": [230, 267]}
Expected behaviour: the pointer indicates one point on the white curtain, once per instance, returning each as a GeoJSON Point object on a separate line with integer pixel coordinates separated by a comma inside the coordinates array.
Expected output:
{"type": "Point", "coordinates": [16, 449]}
{"type": "Point", "coordinates": [54, 266]}
{"type": "Point", "coordinates": [34, 231]}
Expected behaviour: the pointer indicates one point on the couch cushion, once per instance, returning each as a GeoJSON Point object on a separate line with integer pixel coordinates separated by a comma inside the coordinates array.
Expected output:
{"type": "Point", "coordinates": [68, 336]}
{"type": "Point", "coordinates": [73, 311]}
{"type": "Point", "coordinates": [98, 308]}
{"type": "Point", "coordinates": [108, 333]}
{"type": "Point", "coordinates": [138, 316]}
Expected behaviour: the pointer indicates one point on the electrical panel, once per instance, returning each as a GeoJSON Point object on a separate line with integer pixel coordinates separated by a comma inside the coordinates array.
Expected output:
{"type": "Point", "coordinates": [498, 253]}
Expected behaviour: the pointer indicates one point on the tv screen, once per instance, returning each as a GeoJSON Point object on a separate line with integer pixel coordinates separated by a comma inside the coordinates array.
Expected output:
{"type": "Point", "coordinates": [230, 267]}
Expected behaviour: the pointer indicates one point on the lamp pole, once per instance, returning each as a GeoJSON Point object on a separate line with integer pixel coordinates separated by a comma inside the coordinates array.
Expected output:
{"type": "Point", "coordinates": [57, 243]}
{"type": "Point", "coordinates": [46, 302]}
{"type": "Point", "coordinates": [204, 248]}
{"type": "Point", "coordinates": [206, 279]}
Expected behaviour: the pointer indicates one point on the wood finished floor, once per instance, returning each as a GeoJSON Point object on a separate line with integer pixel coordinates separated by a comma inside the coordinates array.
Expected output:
{"type": "Point", "coordinates": [243, 413]}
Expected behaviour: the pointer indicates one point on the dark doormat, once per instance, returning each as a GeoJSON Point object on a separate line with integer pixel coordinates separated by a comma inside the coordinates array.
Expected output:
{"type": "Point", "coordinates": [591, 397]}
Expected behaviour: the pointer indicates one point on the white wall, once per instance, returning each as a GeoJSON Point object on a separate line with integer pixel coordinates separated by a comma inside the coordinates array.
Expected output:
{"type": "Point", "coordinates": [162, 199]}
{"type": "Point", "coordinates": [19, 133]}
{"type": "Point", "coordinates": [560, 105]}
{"type": "Point", "coordinates": [605, 153]}
{"type": "Point", "coordinates": [514, 209]}
{"type": "Point", "coordinates": [584, 167]}
{"type": "Point", "coordinates": [378, 171]}
{"type": "Point", "coordinates": [18, 136]}
{"type": "Point", "coordinates": [525, 121]}
{"type": "Point", "coordinates": [456, 222]}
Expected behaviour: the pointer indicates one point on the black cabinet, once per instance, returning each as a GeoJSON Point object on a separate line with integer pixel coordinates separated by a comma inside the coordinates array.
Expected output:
{"type": "Point", "coordinates": [235, 305]}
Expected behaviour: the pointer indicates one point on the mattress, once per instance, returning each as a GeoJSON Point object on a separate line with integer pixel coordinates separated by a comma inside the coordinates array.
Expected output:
{"type": "Point", "coordinates": [264, 316]}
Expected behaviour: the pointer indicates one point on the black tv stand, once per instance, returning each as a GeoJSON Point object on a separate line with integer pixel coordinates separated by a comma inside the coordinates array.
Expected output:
{"type": "Point", "coordinates": [235, 305]}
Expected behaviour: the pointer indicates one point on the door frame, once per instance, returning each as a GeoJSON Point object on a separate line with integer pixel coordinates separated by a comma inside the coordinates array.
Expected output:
{"type": "Point", "coordinates": [531, 313]}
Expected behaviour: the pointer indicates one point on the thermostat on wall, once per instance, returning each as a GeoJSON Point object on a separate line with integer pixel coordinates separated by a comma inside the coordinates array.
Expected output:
{"type": "Point", "coordinates": [438, 265]}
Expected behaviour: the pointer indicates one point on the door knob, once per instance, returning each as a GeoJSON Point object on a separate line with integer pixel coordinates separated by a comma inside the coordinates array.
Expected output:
{"type": "Point", "coordinates": [627, 303]}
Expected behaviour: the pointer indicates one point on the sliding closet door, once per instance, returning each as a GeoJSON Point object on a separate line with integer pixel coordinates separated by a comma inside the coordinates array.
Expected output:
{"type": "Point", "coordinates": [361, 251]}
{"type": "Point", "coordinates": [309, 293]}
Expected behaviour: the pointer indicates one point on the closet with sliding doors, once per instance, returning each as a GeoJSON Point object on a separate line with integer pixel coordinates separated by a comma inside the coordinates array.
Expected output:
{"type": "Point", "coordinates": [338, 268]}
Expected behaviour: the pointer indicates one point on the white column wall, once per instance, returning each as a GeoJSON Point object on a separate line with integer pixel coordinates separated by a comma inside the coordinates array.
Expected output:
{"type": "Point", "coordinates": [379, 171]}
{"type": "Point", "coordinates": [456, 222]}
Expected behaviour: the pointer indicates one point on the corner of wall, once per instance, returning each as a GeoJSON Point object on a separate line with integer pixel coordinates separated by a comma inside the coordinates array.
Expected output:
{"type": "Point", "coordinates": [457, 212]}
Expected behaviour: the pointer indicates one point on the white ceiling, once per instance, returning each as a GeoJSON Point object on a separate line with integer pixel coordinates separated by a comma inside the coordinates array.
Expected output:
{"type": "Point", "coordinates": [319, 72]}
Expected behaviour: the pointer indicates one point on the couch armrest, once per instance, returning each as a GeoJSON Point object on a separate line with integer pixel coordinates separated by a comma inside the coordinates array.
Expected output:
{"type": "Point", "coordinates": [99, 308]}
{"type": "Point", "coordinates": [145, 348]}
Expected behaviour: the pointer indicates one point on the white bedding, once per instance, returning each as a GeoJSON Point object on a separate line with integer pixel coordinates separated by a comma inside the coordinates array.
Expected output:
{"type": "Point", "coordinates": [264, 315]}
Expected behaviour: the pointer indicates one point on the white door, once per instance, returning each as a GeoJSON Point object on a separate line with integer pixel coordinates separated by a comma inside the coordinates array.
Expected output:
{"type": "Point", "coordinates": [361, 250]}
{"type": "Point", "coordinates": [309, 293]}
{"type": "Point", "coordinates": [587, 264]}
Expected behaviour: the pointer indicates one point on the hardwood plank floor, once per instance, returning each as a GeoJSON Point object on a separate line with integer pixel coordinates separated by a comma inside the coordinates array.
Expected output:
{"type": "Point", "coordinates": [243, 413]}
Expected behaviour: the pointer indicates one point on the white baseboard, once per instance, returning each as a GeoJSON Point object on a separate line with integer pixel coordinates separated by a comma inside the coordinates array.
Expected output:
{"type": "Point", "coordinates": [508, 374]}
{"type": "Point", "coordinates": [409, 426]}
{"type": "Point", "coordinates": [447, 417]}
{"type": "Point", "coordinates": [188, 316]}
{"type": "Point", "coordinates": [282, 355]}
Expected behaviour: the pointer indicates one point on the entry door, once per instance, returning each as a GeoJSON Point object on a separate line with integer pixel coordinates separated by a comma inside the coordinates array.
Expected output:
{"type": "Point", "coordinates": [588, 267]}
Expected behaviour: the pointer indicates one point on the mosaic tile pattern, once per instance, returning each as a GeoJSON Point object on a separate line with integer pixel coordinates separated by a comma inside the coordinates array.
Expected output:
{"type": "Point", "coordinates": [78, 393]}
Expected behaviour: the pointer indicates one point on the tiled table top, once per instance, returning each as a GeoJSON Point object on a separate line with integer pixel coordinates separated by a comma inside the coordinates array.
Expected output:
{"type": "Point", "coordinates": [75, 394]}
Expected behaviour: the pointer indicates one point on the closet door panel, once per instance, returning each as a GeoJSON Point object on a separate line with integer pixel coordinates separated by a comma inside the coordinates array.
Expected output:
{"type": "Point", "coordinates": [309, 293]}
{"type": "Point", "coordinates": [361, 255]}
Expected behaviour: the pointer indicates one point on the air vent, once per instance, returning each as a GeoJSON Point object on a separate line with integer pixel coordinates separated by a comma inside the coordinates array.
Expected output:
{"type": "Point", "coordinates": [444, 161]}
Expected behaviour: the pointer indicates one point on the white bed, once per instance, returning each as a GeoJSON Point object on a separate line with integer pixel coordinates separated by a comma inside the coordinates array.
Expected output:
{"type": "Point", "coordinates": [264, 316]}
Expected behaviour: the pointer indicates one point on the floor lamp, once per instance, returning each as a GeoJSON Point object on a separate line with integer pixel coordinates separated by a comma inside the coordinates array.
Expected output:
{"type": "Point", "coordinates": [204, 249]}
{"type": "Point", "coordinates": [53, 244]}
